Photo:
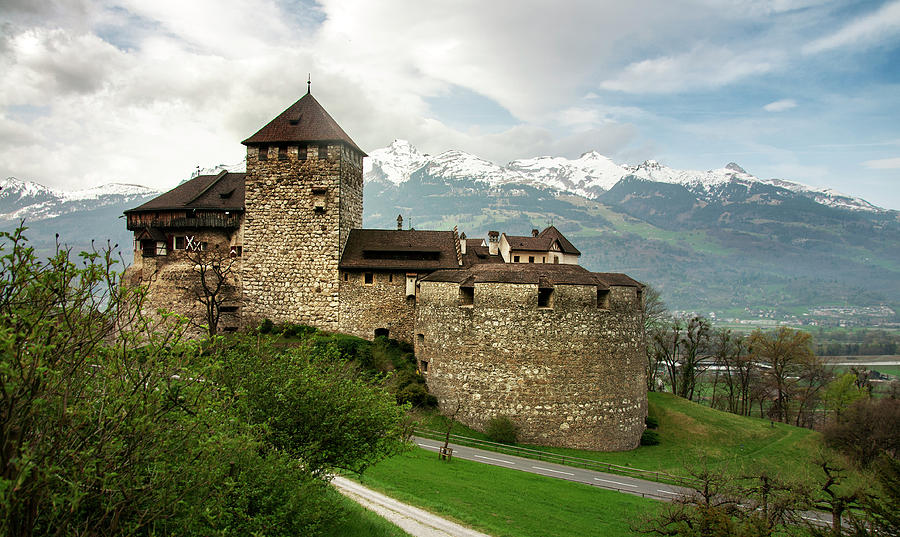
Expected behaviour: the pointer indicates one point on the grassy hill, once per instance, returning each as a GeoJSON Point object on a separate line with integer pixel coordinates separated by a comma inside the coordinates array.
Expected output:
{"type": "Point", "coordinates": [692, 435]}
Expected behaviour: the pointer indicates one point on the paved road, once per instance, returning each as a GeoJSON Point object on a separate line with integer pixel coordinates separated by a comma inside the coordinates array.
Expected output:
{"type": "Point", "coordinates": [417, 522]}
{"type": "Point", "coordinates": [629, 485]}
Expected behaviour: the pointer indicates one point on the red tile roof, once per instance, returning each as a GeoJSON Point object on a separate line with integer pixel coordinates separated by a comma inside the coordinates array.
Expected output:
{"type": "Point", "coordinates": [542, 274]}
{"type": "Point", "coordinates": [303, 121]}
{"type": "Point", "coordinates": [542, 242]}
{"type": "Point", "coordinates": [224, 191]}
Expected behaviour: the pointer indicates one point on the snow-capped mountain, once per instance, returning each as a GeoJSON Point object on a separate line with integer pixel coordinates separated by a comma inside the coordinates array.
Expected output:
{"type": "Point", "coordinates": [590, 175]}
{"type": "Point", "coordinates": [34, 202]}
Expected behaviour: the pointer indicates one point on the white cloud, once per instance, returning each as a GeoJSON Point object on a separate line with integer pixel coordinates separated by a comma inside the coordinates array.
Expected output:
{"type": "Point", "coordinates": [780, 106]}
{"type": "Point", "coordinates": [705, 66]}
{"type": "Point", "coordinates": [883, 164]}
{"type": "Point", "coordinates": [865, 31]}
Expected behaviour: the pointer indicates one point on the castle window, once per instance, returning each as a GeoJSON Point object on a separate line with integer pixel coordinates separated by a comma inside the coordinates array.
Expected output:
{"type": "Point", "coordinates": [544, 259]}
{"type": "Point", "coordinates": [531, 259]}
{"type": "Point", "coordinates": [410, 285]}
{"type": "Point", "coordinates": [263, 152]}
{"type": "Point", "coordinates": [368, 278]}
{"type": "Point", "coordinates": [466, 296]}
{"type": "Point", "coordinates": [420, 339]}
{"type": "Point", "coordinates": [382, 332]}
{"type": "Point", "coordinates": [236, 251]}
{"type": "Point", "coordinates": [346, 277]}
{"type": "Point", "coordinates": [148, 248]}
{"type": "Point", "coordinates": [423, 366]}
{"type": "Point", "coordinates": [555, 260]}
{"type": "Point", "coordinates": [515, 259]}
{"type": "Point", "coordinates": [179, 243]}
{"type": "Point", "coordinates": [390, 277]}
{"type": "Point", "coordinates": [545, 297]}
{"type": "Point", "coordinates": [282, 153]}
{"type": "Point", "coordinates": [603, 299]}
{"type": "Point", "coordinates": [301, 153]}
{"type": "Point", "coordinates": [228, 309]}
{"type": "Point", "coordinates": [318, 196]}
{"type": "Point", "coordinates": [323, 151]}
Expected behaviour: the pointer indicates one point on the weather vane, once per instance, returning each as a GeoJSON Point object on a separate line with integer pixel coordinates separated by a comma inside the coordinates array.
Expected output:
{"type": "Point", "coordinates": [308, 82]}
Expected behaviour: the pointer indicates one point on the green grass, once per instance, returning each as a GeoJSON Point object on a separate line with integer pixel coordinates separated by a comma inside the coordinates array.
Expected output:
{"type": "Point", "coordinates": [693, 435]}
{"type": "Point", "coordinates": [360, 522]}
{"type": "Point", "coordinates": [504, 502]}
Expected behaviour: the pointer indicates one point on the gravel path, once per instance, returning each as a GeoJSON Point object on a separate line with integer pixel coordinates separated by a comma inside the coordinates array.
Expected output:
{"type": "Point", "coordinates": [415, 521]}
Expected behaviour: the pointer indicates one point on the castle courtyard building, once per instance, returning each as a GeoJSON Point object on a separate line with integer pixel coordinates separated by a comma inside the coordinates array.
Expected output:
{"type": "Point", "coordinates": [508, 326]}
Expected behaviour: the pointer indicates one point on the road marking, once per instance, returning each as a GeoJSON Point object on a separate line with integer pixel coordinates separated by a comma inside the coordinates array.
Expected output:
{"type": "Point", "coordinates": [495, 460]}
{"type": "Point", "coordinates": [615, 482]}
{"type": "Point", "coordinates": [550, 470]}
{"type": "Point", "coordinates": [667, 492]}
{"type": "Point", "coordinates": [429, 447]}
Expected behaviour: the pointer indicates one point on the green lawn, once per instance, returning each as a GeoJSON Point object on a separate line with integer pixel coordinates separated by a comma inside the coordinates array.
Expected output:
{"type": "Point", "coordinates": [360, 522]}
{"type": "Point", "coordinates": [692, 435]}
{"type": "Point", "coordinates": [504, 502]}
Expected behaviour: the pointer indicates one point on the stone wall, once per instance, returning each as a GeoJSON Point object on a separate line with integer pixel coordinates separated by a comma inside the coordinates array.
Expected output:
{"type": "Point", "coordinates": [172, 280]}
{"type": "Point", "coordinates": [298, 215]}
{"type": "Point", "coordinates": [383, 304]}
{"type": "Point", "coordinates": [571, 375]}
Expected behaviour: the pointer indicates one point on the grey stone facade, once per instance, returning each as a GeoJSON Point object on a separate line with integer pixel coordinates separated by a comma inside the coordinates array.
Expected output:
{"type": "Point", "coordinates": [569, 375]}
{"type": "Point", "coordinates": [298, 215]}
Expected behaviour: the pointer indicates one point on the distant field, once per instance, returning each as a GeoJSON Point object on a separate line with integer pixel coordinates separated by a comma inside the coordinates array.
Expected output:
{"type": "Point", "coordinates": [504, 502]}
{"type": "Point", "coordinates": [692, 435]}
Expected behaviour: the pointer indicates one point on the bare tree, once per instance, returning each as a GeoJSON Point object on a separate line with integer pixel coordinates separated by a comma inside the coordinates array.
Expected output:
{"type": "Point", "coordinates": [212, 284]}
{"type": "Point", "coordinates": [666, 341]}
{"type": "Point", "coordinates": [653, 314]}
{"type": "Point", "coordinates": [694, 354]}
{"type": "Point", "coordinates": [785, 351]}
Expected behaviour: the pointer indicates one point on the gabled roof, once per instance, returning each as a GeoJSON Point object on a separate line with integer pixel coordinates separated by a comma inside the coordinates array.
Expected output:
{"type": "Point", "coordinates": [399, 250]}
{"type": "Point", "coordinates": [552, 233]}
{"type": "Point", "coordinates": [542, 242]}
{"type": "Point", "coordinates": [617, 278]}
{"type": "Point", "coordinates": [224, 191]}
{"type": "Point", "coordinates": [303, 121]}
{"type": "Point", "coordinates": [541, 274]}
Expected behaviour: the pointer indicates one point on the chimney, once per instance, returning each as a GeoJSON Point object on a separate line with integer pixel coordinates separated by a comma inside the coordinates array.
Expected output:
{"type": "Point", "coordinates": [534, 233]}
{"type": "Point", "coordinates": [462, 243]}
{"type": "Point", "coordinates": [494, 242]}
{"type": "Point", "coordinates": [399, 222]}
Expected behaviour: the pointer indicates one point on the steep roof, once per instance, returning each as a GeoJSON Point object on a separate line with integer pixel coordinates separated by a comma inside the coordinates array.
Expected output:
{"type": "Point", "coordinates": [224, 191]}
{"type": "Point", "coordinates": [542, 242]}
{"type": "Point", "coordinates": [542, 274]}
{"type": "Point", "coordinates": [303, 121]}
{"type": "Point", "coordinates": [399, 250]}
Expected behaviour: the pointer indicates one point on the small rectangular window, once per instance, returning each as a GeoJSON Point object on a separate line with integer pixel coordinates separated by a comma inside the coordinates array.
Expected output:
{"type": "Point", "coordinates": [391, 277]}
{"type": "Point", "coordinates": [263, 153]}
{"type": "Point", "coordinates": [423, 366]}
{"type": "Point", "coordinates": [603, 299]}
{"type": "Point", "coordinates": [420, 339]}
{"type": "Point", "coordinates": [228, 309]}
{"type": "Point", "coordinates": [545, 298]}
{"type": "Point", "coordinates": [148, 248]}
{"type": "Point", "coordinates": [369, 278]}
{"type": "Point", "coordinates": [301, 154]}
{"type": "Point", "coordinates": [160, 247]}
{"type": "Point", "coordinates": [531, 259]}
{"type": "Point", "coordinates": [323, 151]}
{"type": "Point", "coordinates": [346, 277]}
{"type": "Point", "coordinates": [236, 251]}
{"type": "Point", "coordinates": [282, 153]}
{"type": "Point", "coordinates": [515, 259]}
{"type": "Point", "coordinates": [466, 296]}
{"type": "Point", "coordinates": [410, 285]}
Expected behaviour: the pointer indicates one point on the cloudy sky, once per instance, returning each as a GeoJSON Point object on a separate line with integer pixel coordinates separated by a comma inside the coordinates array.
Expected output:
{"type": "Point", "coordinates": [143, 91]}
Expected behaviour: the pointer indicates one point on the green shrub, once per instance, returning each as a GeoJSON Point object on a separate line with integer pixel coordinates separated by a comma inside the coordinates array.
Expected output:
{"type": "Point", "coordinates": [650, 438]}
{"type": "Point", "coordinates": [416, 395]}
{"type": "Point", "coordinates": [652, 422]}
{"type": "Point", "coordinates": [501, 429]}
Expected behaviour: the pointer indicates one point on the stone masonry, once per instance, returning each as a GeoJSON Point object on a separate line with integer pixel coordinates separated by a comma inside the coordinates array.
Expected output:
{"type": "Point", "coordinates": [568, 375]}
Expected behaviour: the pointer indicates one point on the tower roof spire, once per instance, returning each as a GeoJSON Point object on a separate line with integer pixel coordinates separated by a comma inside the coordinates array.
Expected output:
{"type": "Point", "coordinates": [308, 83]}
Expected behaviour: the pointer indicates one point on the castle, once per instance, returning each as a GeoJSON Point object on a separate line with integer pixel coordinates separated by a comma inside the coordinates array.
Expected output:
{"type": "Point", "coordinates": [509, 326]}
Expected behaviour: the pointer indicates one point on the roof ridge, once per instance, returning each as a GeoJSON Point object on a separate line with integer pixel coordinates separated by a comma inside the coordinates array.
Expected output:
{"type": "Point", "coordinates": [212, 183]}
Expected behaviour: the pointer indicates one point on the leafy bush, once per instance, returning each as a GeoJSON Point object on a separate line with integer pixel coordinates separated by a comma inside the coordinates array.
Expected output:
{"type": "Point", "coordinates": [650, 438]}
{"type": "Point", "coordinates": [868, 428]}
{"type": "Point", "coordinates": [652, 422]}
{"type": "Point", "coordinates": [154, 435]}
{"type": "Point", "coordinates": [416, 395]}
{"type": "Point", "coordinates": [266, 327]}
{"type": "Point", "coordinates": [502, 429]}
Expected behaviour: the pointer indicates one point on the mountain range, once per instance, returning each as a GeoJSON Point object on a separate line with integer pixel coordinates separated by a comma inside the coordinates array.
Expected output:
{"type": "Point", "coordinates": [721, 241]}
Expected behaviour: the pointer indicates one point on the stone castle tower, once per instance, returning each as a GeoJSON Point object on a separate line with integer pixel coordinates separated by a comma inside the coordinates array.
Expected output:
{"type": "Point", "coordinates": [304, 193]}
